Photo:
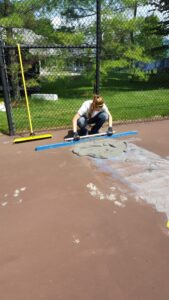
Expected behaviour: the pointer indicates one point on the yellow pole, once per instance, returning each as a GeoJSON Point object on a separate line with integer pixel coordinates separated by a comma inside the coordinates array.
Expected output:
{"type": "Point", "coordinates": [25, 90]}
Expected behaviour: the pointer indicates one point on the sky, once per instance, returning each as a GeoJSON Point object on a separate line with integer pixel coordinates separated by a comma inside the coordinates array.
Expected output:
{"type": "Point", "coordinates": [142, 11]}
{"type": "Point", "coordinates": [147, 10]}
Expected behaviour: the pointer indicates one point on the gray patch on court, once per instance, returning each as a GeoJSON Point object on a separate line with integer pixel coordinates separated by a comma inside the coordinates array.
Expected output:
{"type": "Point", "coordinates": [144, 172]}
{"type": "Point", "coordinates": [101, 149]}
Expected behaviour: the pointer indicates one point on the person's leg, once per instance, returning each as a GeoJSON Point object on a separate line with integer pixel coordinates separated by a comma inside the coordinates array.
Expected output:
{"type": "Point", "coordinates": [82, 123]}
{"type": "Point", "coordinates": [98, 120]}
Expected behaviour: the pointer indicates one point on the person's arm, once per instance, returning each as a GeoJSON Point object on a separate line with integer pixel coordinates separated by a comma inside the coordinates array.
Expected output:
{"type": "Point", "coordinates": [74, 123]}
{"type": "Point", "coordinates": [75, 118]}
{"type": "Point", "coordinates": [110, 120]}
{"type": "Point", "coordinates": [82, 110]}
{"type": "Point", "coordinates": [110, 128]}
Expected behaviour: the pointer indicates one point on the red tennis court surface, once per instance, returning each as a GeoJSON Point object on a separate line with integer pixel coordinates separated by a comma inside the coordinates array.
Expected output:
{"type": "Point", "coordinates": [64, 236]}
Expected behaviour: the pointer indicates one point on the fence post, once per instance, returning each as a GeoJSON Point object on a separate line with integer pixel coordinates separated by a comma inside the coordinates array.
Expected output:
{"type": "Point", "coordinates": [98, 45]}
{"type": "Point", "coordinates": [6, 92]}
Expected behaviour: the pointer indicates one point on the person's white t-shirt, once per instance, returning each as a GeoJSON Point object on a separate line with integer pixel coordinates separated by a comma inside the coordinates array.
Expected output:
{"type": "Point", "coordinates": [85, 108]}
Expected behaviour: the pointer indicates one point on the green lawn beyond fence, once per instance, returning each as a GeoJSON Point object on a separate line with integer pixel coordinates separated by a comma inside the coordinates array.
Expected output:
{"type": "Point", "coordinates": [126, 100]}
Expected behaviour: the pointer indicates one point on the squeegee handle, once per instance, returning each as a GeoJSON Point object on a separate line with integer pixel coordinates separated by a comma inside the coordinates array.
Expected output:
{"type": "Point", "coordinates": [25, 89]}
{"type": "Point", "coordinates": [88, 136]}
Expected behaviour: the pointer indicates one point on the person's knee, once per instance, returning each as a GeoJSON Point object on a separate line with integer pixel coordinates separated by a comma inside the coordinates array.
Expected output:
{"type": "Point", "coordinates": [81, 122]}
{"type": "Point", "coordinates": [103, 116]}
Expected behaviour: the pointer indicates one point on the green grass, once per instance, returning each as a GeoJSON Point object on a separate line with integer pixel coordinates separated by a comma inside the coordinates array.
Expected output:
{"type": "Point", "coordinates": [3, 120]}
{"type": "Point", "coordinates": [127, 100]}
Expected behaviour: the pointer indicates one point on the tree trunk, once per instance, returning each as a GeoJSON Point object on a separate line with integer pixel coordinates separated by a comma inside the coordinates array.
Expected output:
{"type": "Point", "coordinates": [134, 16]}
{"type": "Point", "coordinates": [11, 57]}
{"type": "Point", "coordinates": [14, 74]}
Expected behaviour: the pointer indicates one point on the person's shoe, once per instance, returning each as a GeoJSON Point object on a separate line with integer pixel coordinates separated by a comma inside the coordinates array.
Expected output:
{"type": "Point", "coordinates": [83, 132]}
{"type": "Point", "coordinates": [94, 131]}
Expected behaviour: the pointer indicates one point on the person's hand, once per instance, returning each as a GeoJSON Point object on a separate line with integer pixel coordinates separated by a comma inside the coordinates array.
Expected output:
{"type": "Point", "coordinates": [76, 136]}
{"type": "Point", "coordinates": [110, 131]}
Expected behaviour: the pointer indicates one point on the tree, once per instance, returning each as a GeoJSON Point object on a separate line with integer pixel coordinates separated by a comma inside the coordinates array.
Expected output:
{"type": "Point", "coordinates": [31, 22]}
{"type": "Point", "coordinates": [162, 27]}
{"type": "Point", "coordinates": [16, 18]}
{"type": "Point", "coordinates": [163, 7]}
{"type": "Point", "coordinates": [126, 38]}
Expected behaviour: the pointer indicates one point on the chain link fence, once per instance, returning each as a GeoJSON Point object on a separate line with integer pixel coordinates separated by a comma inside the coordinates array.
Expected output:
{"type": "Point", "coordinates": [71, 49]}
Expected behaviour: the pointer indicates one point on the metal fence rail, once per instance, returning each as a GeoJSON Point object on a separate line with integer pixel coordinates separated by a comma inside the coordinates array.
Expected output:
{"type": "Point", "coordinates": [72, 50]}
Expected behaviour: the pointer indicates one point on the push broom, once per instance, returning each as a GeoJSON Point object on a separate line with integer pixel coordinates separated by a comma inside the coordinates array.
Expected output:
{"type": "Point", "coordinates": [32, 136]}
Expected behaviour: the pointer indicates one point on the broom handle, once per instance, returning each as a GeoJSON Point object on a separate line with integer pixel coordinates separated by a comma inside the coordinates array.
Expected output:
{"type": "Point", "coordinates": [25, 90]}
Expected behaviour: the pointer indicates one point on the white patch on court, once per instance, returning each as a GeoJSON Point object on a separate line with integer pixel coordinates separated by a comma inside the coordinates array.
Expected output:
{"type": "Point", "coordinates": [16, 195]}
{"type": "Point", "coordinates": [144, 172]}
{"type": "Point", "coordinates": [19, 201]}
{"type": "Point", "coordinates": [5, 142]}
{"type": "Point", "coordinates": [123, 198]}
{"type": "Point", "coordinates": [111, 197]}
{"type": "Point", "coordinates": [76, 240]}
{"type": "Point", "coordinates": [116, 199]}
{"type": "Point", "coordinates": [94, 191]}
{"type": "Point", "coordinates": [22, 189]}
{"type": "Point", "coordinates": [4, 203]}
{"type": "Point", "coordinates": [118, 203]}
{"type": "Point", "coordinates": [18, 191]}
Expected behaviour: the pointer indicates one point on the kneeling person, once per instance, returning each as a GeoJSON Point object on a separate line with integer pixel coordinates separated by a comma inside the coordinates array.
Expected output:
{"type": "Point", "coordinates": [92, 112]}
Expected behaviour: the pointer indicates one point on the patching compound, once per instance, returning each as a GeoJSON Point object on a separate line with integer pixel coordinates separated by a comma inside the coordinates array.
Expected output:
{"type": "Point", "coordinates": [101, 149]}
{"type": "Point", "coordinates": [144, 172]}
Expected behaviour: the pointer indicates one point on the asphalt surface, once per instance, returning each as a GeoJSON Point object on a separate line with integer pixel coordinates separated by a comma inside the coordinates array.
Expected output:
{"type": "Point", "coordinates": [62, 236]}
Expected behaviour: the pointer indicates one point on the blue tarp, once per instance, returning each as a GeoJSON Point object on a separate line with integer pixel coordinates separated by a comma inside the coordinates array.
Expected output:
{"type": "Point", "coordinates": [157, 65]}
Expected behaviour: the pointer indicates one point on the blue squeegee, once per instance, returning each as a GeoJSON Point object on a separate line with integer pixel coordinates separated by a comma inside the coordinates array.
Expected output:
{"type": "Point", "coordinates": [73, 143]}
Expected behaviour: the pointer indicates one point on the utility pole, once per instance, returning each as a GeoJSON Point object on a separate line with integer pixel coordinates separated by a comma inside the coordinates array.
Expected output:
{"type": "Point", "coordinates": [98, 45]}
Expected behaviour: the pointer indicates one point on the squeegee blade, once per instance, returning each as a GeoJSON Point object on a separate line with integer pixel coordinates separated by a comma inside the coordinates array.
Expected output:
{"type": "Point", "coordinates": [32, 138]}
{"type": "Point", "coordinates": [73, 143]}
